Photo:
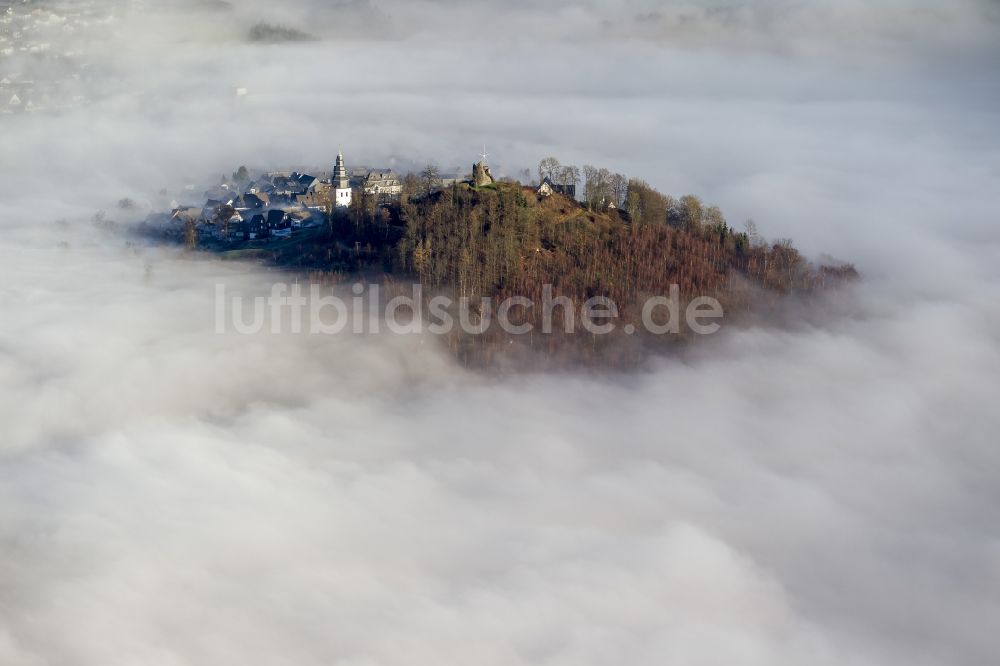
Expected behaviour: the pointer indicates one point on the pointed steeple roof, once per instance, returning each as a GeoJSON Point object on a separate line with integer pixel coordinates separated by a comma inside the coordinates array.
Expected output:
{"type": "Point", "coordinates": [340, 178]}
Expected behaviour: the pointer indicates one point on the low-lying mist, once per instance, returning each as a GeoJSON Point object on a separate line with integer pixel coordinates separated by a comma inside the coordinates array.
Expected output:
{"type": "Point", "coordinates": [818, 493]}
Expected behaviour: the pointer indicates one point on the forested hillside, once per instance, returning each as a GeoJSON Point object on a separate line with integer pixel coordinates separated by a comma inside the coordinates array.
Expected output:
{"type": "Point", "coordinates": [507, 240]}
{"type": "Point", "coordinates": [491, 243]}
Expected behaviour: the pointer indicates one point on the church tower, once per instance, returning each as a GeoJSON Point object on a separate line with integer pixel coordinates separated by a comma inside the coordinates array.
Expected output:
{"type": "Point", "coordinates": [341, 184]}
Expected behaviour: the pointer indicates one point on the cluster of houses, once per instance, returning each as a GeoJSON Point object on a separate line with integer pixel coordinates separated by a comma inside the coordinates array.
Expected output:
{"type": "Point", "coordinates": [277, 204]}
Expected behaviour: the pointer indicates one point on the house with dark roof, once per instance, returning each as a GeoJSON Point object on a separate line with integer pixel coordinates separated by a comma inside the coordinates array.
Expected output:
{"type": "Point", "coordinates": [260, 187]}
{"type": "Point", "coordinates": [277, 220]}
{"type": "Point", "coordinates": [247, 202]}
{"type": "Point", "coordinates": [257, 228]}
{"type": "Point", "coordinates": [548, 188]}
{"type": "Point", "coordinates": [187, 214]}
{"type": "Point", "coordinates": [306, 182]}
{"type": "Point", "coordinates": [237, 229]}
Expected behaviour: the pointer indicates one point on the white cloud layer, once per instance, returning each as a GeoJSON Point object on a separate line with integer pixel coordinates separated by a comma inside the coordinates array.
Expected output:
{"type": "Point", "coordinates": [820, 493]}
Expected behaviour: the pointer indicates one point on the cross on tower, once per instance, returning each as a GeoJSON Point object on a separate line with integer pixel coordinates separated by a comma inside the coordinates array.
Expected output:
{"type": "Point", "coordinates": [484, 155]}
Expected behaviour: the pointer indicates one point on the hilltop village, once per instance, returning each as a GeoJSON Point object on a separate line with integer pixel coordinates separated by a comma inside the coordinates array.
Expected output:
{"type": "Point", "coordinates": [488, 239]}
{"type": "Point", "coordinates": [273, 206]}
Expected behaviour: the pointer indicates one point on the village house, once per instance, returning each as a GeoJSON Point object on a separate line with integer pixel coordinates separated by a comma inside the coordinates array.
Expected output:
{"type": "Point", "coordinates": [257, 229]}
{"type": "Point", "coordinates": [306, 183]}
{"type": "Point", "coordinates": [237, 229]}
{"type": "Point", "coordinates": [548, 188]}
{"type": "Point", "coordinates": [246, 202]}
{"type": "Point", "coordinates": [262, 186]}
{"type": "Point", "coordinates": [384, 185]}
{"type": "Point", "coordinates": [187, 214]}
{"type": "Point", "coordinates": [277, 220]}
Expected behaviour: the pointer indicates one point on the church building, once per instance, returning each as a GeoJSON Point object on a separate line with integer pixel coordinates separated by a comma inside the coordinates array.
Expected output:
{"type": "Point", "coordinates": [341, 184]}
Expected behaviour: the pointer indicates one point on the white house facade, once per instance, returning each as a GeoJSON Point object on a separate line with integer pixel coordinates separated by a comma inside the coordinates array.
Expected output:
{"type": "Point", "coordinates": [383, 183]}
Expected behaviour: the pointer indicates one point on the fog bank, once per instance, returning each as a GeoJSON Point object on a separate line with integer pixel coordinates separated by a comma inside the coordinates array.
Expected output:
{"type": "Point", "coordinates": [816, 493]}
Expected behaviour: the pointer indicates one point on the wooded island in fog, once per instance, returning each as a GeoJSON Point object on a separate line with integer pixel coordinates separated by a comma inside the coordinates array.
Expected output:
{"type": "Point", "coordinates": [478, 237]}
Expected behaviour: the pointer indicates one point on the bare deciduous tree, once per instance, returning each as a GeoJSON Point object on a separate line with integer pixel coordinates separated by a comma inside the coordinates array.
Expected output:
{"type": "Point", "coordinates": [597, 189]}
{"type": "Point", "coordinates": [430, 179]}
{"type": "Point", "coordinates": [549, 168]}
{"type": "Point", "coordinates": [619, 188]}
{"type": "Point", "coordinates": [569, 175]}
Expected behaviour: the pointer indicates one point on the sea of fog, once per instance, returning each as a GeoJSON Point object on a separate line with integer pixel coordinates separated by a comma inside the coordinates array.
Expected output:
{"type": "Point", "coordinates": [821, 493]}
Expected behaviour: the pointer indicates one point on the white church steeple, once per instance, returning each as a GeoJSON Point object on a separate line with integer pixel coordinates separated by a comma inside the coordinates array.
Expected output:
{"type": "Point", "coordinates": [341, 183]}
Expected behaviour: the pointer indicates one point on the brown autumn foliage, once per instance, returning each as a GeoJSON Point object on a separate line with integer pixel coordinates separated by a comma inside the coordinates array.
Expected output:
{"type": "Point", "coordinates": [491, 243]}
{"type": "Point", "coordinates": [506, 241]}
